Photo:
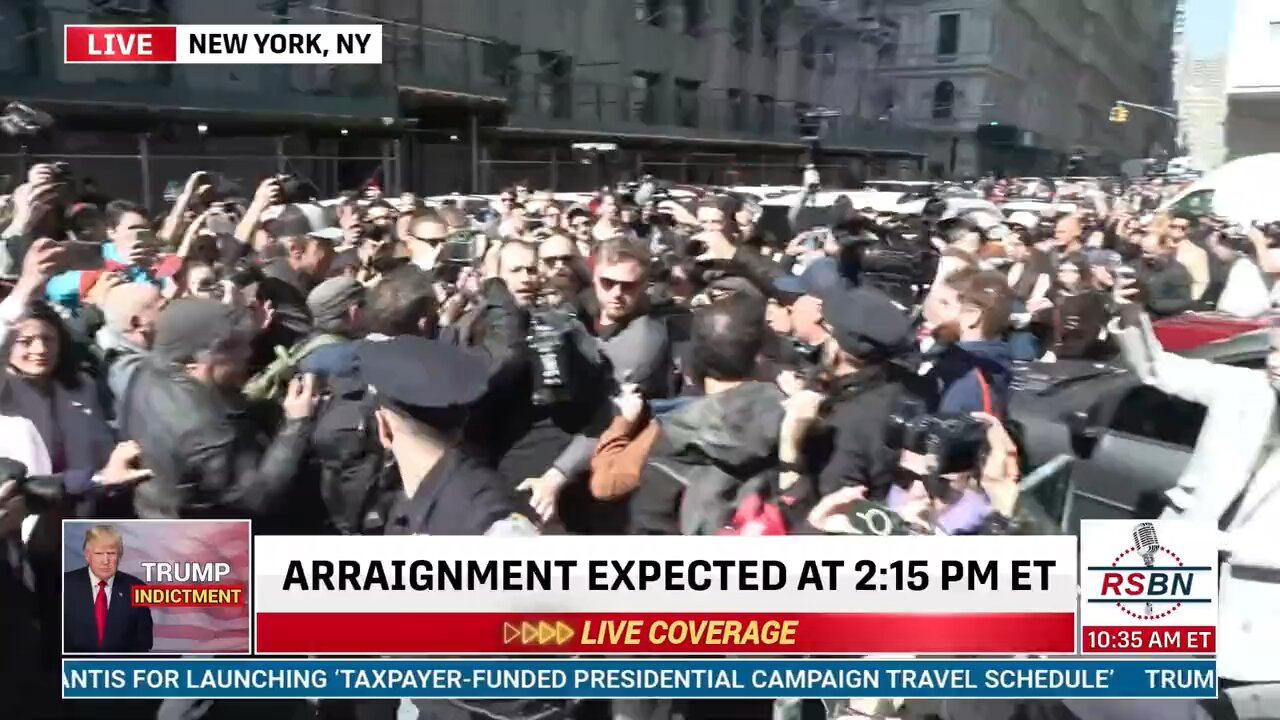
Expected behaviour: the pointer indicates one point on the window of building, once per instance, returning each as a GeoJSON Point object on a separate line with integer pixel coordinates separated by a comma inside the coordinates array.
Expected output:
{"type": "Point", "coordinates": [887, 54]}
{"type": "Point", "coordinates": [948, 34]}
{"type": "Point", "coordinates": [687, 102]}
{"type": "Point", "coordinates": [828, 59]}
{"type": "Point", "coordinates": [651, 12]}
{"type": "Point", "coordinates": [742, 25]}
{"type": "Point", "coordinates": [770, 21]}
{"type": "Point", "coordinates": [499, 64]}
{"type": "Point", "coordinates": [644, 96]}
{"type": "Point", "coordinates": [737, 110]}
{"type": "Point", "coordinates": [808, 51]}
{"type": "Point", "coordinates": [695, 16]}
{"type": "Point", "coordinates": [555, 84]}
{"type": "Point", "coordinates": [944, 96]}
{"type": "Point", "coordinates": [765, 110]}
{"type": "Point", "coordinates": [1275, 33]}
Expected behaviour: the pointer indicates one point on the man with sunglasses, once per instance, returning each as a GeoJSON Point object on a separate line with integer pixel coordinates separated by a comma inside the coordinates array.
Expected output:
{"type": "Point", "coordinates": [560, 265]}
{"type": "Point", "coordinates": [635, 342]}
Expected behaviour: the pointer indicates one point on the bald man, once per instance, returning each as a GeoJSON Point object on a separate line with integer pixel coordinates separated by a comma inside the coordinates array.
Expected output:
{"type": "Point", "coordinates": [126, 338]}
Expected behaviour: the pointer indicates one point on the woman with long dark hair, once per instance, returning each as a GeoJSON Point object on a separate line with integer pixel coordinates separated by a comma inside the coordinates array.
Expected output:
{"type": "Point", "coordinates": [1079, 313]}
{"type": "Point", "coordinates": [43, 383]}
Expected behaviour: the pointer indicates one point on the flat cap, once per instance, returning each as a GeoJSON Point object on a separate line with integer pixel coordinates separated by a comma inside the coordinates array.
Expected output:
{"type": "Point", "coordinates": [190, 325]}
{"type": "Point", "coordinates": [420, 374]}
{"type": "Point", "coordinates": [867, 324]}
{"type": "Point", "coordinates": [331, 299]}
{"type": "Point", "coordinates": [820, 277]}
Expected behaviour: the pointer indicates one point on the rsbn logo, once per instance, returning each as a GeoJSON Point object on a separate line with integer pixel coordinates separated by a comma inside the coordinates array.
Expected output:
{"type": "Point", "coordinates": [1148, 581]}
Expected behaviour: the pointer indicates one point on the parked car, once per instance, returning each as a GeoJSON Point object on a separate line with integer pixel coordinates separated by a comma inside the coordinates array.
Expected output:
{"type": "Point", "coordinates": [1129, 442]}
{"type": "Point", "coordinates": [1193, 329]}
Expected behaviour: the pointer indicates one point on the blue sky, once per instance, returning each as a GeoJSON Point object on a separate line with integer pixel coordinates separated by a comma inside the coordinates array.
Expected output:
{"type": "Point", "coordinates": [1208, 26]}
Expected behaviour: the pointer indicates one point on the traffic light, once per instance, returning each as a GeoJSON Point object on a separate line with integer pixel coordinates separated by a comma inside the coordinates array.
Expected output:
{"type": "Point", "coordinates": [1119, 114]}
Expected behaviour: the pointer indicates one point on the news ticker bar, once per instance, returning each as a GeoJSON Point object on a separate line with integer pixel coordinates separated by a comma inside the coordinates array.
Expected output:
{"type": "Point", "coordinates": [647, 678]}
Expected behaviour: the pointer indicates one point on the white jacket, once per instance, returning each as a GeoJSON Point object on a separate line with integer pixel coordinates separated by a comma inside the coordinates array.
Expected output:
{"type": "Point", "coordinates": [1245, 294]}
{"type": "Point", "coordinates": [1237, 456]}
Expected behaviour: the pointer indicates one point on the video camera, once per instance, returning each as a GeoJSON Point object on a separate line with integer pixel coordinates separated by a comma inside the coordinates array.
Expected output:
{"type": "Point", "coordinates": [549, 340]}
{"type": "Point", "coordinates": [41, 492]}
{"type": "Point", "coordinates": [955, 441]}
{"type": "Point", "coordinates": [885, 258]}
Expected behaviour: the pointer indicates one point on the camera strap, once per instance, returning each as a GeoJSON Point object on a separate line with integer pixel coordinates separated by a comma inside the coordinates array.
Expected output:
{"type": "Point", "coordinates": [986, 391]}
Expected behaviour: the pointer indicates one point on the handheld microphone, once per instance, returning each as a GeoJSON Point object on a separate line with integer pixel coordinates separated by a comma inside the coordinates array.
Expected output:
{"type": "Point", "coordinates": [1146, 543]}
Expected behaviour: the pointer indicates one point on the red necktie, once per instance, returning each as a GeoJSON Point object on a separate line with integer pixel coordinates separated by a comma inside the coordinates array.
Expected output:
{"type": "Point", "coordinates": [100, 609]}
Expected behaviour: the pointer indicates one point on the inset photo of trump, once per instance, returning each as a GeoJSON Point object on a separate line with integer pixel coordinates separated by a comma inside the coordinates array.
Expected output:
{"type": "Point", "coordinates": [163, 586]}
{"type": "Point", "coordinates": [97, 615]}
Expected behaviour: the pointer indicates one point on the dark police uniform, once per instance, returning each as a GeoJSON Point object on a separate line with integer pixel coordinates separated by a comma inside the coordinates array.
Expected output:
{"type": "Point", "coordinates": [459, 496]}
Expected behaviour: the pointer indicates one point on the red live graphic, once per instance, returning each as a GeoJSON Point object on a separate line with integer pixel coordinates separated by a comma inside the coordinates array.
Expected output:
{"type": "Point", "coordinates": [121, 44]}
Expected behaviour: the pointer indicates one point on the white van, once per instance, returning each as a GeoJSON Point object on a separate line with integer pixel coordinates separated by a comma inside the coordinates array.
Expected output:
{"type": "Point", "coordinates": [1243, 191]}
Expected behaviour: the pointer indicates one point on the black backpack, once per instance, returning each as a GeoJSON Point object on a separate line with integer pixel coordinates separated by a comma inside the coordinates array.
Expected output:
{"type": "Point", "coordinates": [355, 484]}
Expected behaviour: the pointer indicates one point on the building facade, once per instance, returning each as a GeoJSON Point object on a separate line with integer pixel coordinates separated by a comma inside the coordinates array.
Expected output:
{"type": "Point", "coordinates": [1253, 80]}
{"type": "Point", "coordinates": [1021, 86]}
{"type": "Point", "coordinates": [472, 94]}
{"type": "Point", "coordinates": [1202, 111]}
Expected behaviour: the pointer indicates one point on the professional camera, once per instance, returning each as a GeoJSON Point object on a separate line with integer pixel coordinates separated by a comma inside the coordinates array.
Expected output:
{"type": "Point", "coordinates": [41, 492]}
{"type": "Point", "coordinates": [549, 340]}
{"type": "Point", "coordinates": [460, 248]}
{"type": "Point", "coordinates": [955, 441]}
{"type": "Point", "coordinates": [884, 258]}
{"type": "Point", "coordinates": [19, 119]}
{"type": "Point", "coordinates": [294, 190]}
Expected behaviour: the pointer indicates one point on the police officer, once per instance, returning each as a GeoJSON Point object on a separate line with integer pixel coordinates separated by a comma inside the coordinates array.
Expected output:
{"type": "Point", "coordinates": [424, 390]}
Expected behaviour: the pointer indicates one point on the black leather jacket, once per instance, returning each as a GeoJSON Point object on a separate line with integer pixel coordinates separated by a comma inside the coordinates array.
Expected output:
{"type": "Point", "coordinates": [208, 456]}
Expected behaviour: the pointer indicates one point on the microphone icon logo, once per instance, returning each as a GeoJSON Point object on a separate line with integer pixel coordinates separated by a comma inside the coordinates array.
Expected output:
{"type": "Point", "coordinates": [1146, 543]}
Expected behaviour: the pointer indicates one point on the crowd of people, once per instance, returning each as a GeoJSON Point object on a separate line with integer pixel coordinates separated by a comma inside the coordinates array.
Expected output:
{"type": "Point", "coordinates": [631, 365]}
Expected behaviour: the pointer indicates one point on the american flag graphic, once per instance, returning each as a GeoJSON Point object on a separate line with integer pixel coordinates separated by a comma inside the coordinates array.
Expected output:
{"type": "Point", "coordinates": [181, 630]}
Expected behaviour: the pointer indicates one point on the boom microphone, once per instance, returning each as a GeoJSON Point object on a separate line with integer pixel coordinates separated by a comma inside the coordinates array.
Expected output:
{"type": "Point", "coordinates": [1146, 543]}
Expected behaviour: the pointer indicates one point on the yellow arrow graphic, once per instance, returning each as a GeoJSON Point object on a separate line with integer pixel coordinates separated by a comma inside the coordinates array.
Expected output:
{"type": "Point", "coordinates": [546, 632]}
{"type": "Point", "coordinates": [528, 633]}
{"type": "Point", "coordinates": [564, 633]}
{"type": "Point", "coordinates": [509, 633]}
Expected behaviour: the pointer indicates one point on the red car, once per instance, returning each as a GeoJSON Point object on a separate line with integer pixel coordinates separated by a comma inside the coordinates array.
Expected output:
{"type": "Point", "coordinates": [1193, 329]}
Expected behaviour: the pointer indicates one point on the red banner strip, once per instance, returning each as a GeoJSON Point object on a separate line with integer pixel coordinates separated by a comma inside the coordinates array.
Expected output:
{"type": "Point", "coordinates": [673, 633]}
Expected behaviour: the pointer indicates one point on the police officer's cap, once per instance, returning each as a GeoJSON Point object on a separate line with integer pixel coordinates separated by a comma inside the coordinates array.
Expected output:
{"type": "Point", "coordinates": [415, 373]}
{"type": "Point", "coordinates": [867, 324]}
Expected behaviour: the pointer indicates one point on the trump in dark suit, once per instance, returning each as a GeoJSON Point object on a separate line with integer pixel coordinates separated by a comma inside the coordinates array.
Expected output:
{"type": "Point", "coordinates": [98, 615]}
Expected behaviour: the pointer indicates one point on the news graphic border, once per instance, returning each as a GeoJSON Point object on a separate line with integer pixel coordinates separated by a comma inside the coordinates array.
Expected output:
{"type": "Point", "coordinates": [62, 584]}
{"type": "Point", "coordinates": [1126, 679]}
{"type": "Point", "coordinates": [1133, 636]}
